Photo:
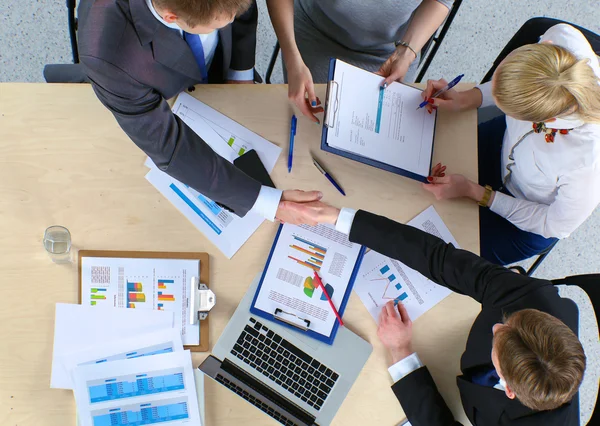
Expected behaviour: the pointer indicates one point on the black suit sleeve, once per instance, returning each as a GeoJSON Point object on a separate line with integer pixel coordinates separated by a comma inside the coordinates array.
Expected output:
{"type": "Point", "coordinates": [148, 120]}
{"type": "Point", "coordinates": [421, 401]}
{"type": "Point", "coordinates": [243, 34]}
{"type": "Point", "coordinates": [459, 270]}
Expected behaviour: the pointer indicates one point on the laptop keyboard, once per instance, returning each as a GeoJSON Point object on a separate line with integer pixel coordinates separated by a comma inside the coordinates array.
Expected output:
{"type": "Point", "coordinates": [285, 364]}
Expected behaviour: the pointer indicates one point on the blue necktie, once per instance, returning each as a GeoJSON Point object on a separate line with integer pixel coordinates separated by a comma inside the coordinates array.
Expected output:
{"type": "Point", "coordinates": [193, 40]}
{"type": "Point", "coordinates": [487, 378]}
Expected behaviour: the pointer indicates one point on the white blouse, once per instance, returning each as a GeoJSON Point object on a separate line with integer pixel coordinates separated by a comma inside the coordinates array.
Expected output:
{"type": "Point", "coordinates": [556, 186]}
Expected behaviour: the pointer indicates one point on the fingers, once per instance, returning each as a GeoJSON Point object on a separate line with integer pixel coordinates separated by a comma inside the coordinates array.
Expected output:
{"type": "Point", "coordinates": [391, 310]}
{"type": "Point", "coordinates": [403, 313]}
{"type": "Point", "coordinates": [438, 180]}
{"type": "Point", "coordinates": [438, 170]}
{"type": "Point", "coordinates": [432, 87]}
{"type": "Point", "coordinates": [301, 196]}
{"type": "Point", "coordinates": [310, 91]}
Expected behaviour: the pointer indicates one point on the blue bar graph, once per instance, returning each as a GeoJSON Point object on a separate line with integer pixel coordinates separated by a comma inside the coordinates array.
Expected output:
{"type": "Point", "coordinates": [384, 269]}
{"type": "Point", "coordinates": [143, 414]}
{"type": "Point", "coordinates": [196, 210]}
{"type": "Point", "coordinates": [132, 386]}
{"type": "Point", "coordinates": [379, 109]}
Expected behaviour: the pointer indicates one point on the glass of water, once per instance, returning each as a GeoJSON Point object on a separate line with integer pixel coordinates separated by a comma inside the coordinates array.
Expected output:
{"type": "Point", "coordinates": [57, 242]}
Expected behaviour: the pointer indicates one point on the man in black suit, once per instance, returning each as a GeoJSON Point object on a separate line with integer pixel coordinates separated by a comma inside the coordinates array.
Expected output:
{"type": "Point", "coordinates": [138, 53]}
{"type": "Point", "coordinates": [523, 363]}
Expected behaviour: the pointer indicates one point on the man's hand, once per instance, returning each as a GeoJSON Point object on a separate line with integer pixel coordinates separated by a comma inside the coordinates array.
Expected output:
{"type": "Point", "coordinates": [316, 211]}
{"type": "Point", "coordinates": [395, 331]}
{"type": "Point", "coordinates": [289, 210]}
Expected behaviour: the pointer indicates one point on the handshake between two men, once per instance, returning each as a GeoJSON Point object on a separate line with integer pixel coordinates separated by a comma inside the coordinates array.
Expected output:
{"type": "Point", "coordinates": [305, 207]}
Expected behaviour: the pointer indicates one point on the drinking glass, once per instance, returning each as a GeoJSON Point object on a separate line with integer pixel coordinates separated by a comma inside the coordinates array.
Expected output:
{"type": "Point", "coordinates": [57, 242]}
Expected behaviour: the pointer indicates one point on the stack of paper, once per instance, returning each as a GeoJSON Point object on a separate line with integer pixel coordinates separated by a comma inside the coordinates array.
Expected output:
{"type": "Point", "coordinates": [230, 140]}
{"type": "Point", "coordinates": [382, 279]}
{"type": "Point", "coordinates": [125, 366]}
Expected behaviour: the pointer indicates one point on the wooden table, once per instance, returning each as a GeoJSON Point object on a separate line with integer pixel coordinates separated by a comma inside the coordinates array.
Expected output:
{"type": "Point", "coordinates": [64, 160]}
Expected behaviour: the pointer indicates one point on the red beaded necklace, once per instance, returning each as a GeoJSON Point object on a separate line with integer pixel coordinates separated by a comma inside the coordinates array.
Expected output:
{"type": "Point", "coordinates": [550, 133]}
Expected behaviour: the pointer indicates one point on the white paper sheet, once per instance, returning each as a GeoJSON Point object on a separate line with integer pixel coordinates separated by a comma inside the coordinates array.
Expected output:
{"type": "Point", "coordinates": [159, 389]}
{"type": "Point", "coordinates": [147, 344]}
{"type": "Point", "coordinates": [383, 125]}
{"type": "Point", "coordinates": [288, 282]}
{"type": "Point", "coordinates": [226, 137]}
{"type": "Point", "coordinates": [78, 327]}
{"type": "Point", "coordinates": [160, 284]}
{"type": "Point", "coordinates": [381, 279]}
{"type": "Point", "coordinates": [227, 231]}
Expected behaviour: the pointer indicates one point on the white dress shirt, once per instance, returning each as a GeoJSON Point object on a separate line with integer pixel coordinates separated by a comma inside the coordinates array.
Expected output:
{"type": "Point", "coordinates": [268, 198]}
{"type": "Point", "coordinates": [412, 362]}
{"type": "Point", "coordinates": [555, 186]}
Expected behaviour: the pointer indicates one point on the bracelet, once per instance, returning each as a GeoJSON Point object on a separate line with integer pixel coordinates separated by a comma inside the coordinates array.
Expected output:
{"type": "Point", "coordinates": [405, 44]}
{"type": "Point", "coordinates": [486, 196]}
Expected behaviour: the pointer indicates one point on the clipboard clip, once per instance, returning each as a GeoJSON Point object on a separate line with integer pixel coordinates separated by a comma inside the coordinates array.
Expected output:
{"type": "Point", "coordinates": [202, 300]}
{"type": "Point", "coordinates": [291, 319]}
{"type": "Point", "coordinates": [332, 103]}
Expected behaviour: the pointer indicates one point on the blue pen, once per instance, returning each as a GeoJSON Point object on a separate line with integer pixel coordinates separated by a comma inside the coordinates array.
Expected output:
{"type": "Point", "coordinates": [328, 176]}
{"type": "Point", "coordinates": [292, 135]}
{"type": "Point", "coordinates": [443, 90]}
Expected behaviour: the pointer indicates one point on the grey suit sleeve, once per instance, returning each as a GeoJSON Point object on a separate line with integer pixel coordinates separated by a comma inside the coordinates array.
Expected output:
{"type": "Point", "coordinates": [148, 120]}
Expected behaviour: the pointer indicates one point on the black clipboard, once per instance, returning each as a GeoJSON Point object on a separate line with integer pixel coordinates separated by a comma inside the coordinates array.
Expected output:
{"type": "Point", "coordinates": [332, 104]}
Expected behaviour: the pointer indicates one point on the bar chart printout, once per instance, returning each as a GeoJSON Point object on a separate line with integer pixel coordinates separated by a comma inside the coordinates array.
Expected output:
{"type": "Point", "coordinates": [149, 284]}
{"type": "Point", "coordinates": [307, 254]}
{"type": "Point", "coordinates": [158, 389]}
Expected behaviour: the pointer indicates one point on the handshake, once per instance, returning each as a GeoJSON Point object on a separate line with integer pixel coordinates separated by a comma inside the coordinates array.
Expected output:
{"type": "Point", "coordinates": [305, 207]}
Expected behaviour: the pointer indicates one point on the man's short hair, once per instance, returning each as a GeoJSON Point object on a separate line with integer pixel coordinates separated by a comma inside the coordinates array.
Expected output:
{"type": "Point", "coordinates": [540, 358]}
{"type": "Point", "coordinates": [196, 12]}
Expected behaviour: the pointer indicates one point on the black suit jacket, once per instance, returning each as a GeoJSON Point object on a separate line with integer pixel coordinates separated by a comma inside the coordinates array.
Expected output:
{"type": "Point", "coordinates": [135, 63]}
{"type": "Point", "coordinates": [500, 291]}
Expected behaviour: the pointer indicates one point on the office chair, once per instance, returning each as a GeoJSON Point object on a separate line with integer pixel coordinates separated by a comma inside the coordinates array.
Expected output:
{"type": "Point", "coordinates": [428, 51]}
{"type": "Point", "coordinates": [591, 285]}
{"type": "Point", "coordinates": [530, 33]}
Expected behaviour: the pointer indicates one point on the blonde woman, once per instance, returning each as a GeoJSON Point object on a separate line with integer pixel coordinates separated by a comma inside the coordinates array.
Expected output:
{"type": "Point", "coordinates": [539, 165]}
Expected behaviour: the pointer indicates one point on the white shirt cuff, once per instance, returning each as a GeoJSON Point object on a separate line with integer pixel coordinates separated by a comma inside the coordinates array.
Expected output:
{"type": "Point", "coordinates": [344, 220]}
{"type": "Point", "coordinates": [503, 204]}
{"type": "Point", "coordinates": [245, 75]}
{"type": "Point", "coordinates": [486, 94]}
{"type": "Point", "coordinates": [267, 202]}
{"type": "Point", "coordinates": [405, 366]}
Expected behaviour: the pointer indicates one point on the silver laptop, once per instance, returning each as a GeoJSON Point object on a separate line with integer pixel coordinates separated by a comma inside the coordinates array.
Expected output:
{"type": "Point", "coordinates": [295, 379]}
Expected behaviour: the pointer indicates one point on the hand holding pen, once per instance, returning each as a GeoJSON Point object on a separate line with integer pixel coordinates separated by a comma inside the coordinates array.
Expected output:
{"type": "Point", "coordinates": [440, 94]}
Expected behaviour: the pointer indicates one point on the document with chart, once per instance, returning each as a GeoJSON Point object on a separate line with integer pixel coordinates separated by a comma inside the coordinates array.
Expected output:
{"type": "Point", "coordinates": [382, 125]}
{"type": "Point", "coordinates": [381, 279]}
{"type": "Point", "coordinates": [149, 284]}
{"type": "Point", "coordinates": [159, 389]}
{"type": "Point", "coordinates": [288, 282]}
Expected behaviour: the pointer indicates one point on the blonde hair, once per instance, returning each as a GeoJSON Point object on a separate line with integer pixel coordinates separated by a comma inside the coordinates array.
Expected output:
{"type": "Point", "coordinates": [537, 82]}
{"type": "Point", "coordinates": [540, 358]}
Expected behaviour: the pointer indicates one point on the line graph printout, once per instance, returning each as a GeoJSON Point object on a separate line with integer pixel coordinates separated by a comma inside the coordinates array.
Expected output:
{"type": "Point", "coordinates": [289, 284]}
{"type": "Point", "coordinates": [159, 389]}
{"type": "Point", "coordinates": [383, 125]}
{"type": "Point", "coordinates": [382, 279]}
{"type": "Point", "coordinates": [151, 284]}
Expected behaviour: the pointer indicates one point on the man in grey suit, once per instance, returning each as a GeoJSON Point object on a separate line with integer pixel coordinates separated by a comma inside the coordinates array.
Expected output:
{"type": "Point", "coordinates": [138, 53]}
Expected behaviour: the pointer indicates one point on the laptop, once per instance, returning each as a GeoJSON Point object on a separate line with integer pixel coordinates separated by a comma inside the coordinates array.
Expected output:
{"type": "Point", "coordinates": [293, 378]}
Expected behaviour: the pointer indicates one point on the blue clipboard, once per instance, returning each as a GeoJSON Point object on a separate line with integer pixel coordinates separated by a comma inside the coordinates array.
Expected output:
{"type": "Point", "coordinates": [269, 315]}
{"type": "Point", "coordinates": [332, 102]}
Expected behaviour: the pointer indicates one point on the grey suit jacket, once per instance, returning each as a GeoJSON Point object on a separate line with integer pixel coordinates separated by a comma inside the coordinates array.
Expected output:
{"type": "Point", "coordinates": [135, 63]}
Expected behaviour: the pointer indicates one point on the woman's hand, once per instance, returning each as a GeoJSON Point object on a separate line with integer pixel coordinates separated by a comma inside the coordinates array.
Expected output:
{"type": "Point", "coordinates": [395, 68]}
{"type": "Point", "coordinates": [301, 90]}
{"type": "Point", "coordinates": [450, 100]}
{"type": "Point", "coordinates": [446, 187]}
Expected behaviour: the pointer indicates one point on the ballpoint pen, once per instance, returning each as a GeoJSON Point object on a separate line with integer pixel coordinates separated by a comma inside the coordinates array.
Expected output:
{"type": "Point", "coordinates": [320, 284]}
{"type": "Point", "coordinates": [328, 176]}
{"type": "Point", "coordinates": [291, 148]}
{"type": "Point", "coordinates": [443, 90]}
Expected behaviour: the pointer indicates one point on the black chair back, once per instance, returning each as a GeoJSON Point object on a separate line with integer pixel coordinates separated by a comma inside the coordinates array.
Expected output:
{"type": "Point", "coordinates": [530, 33]}
{"type": "Point", "coordinates": [591, 285]}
